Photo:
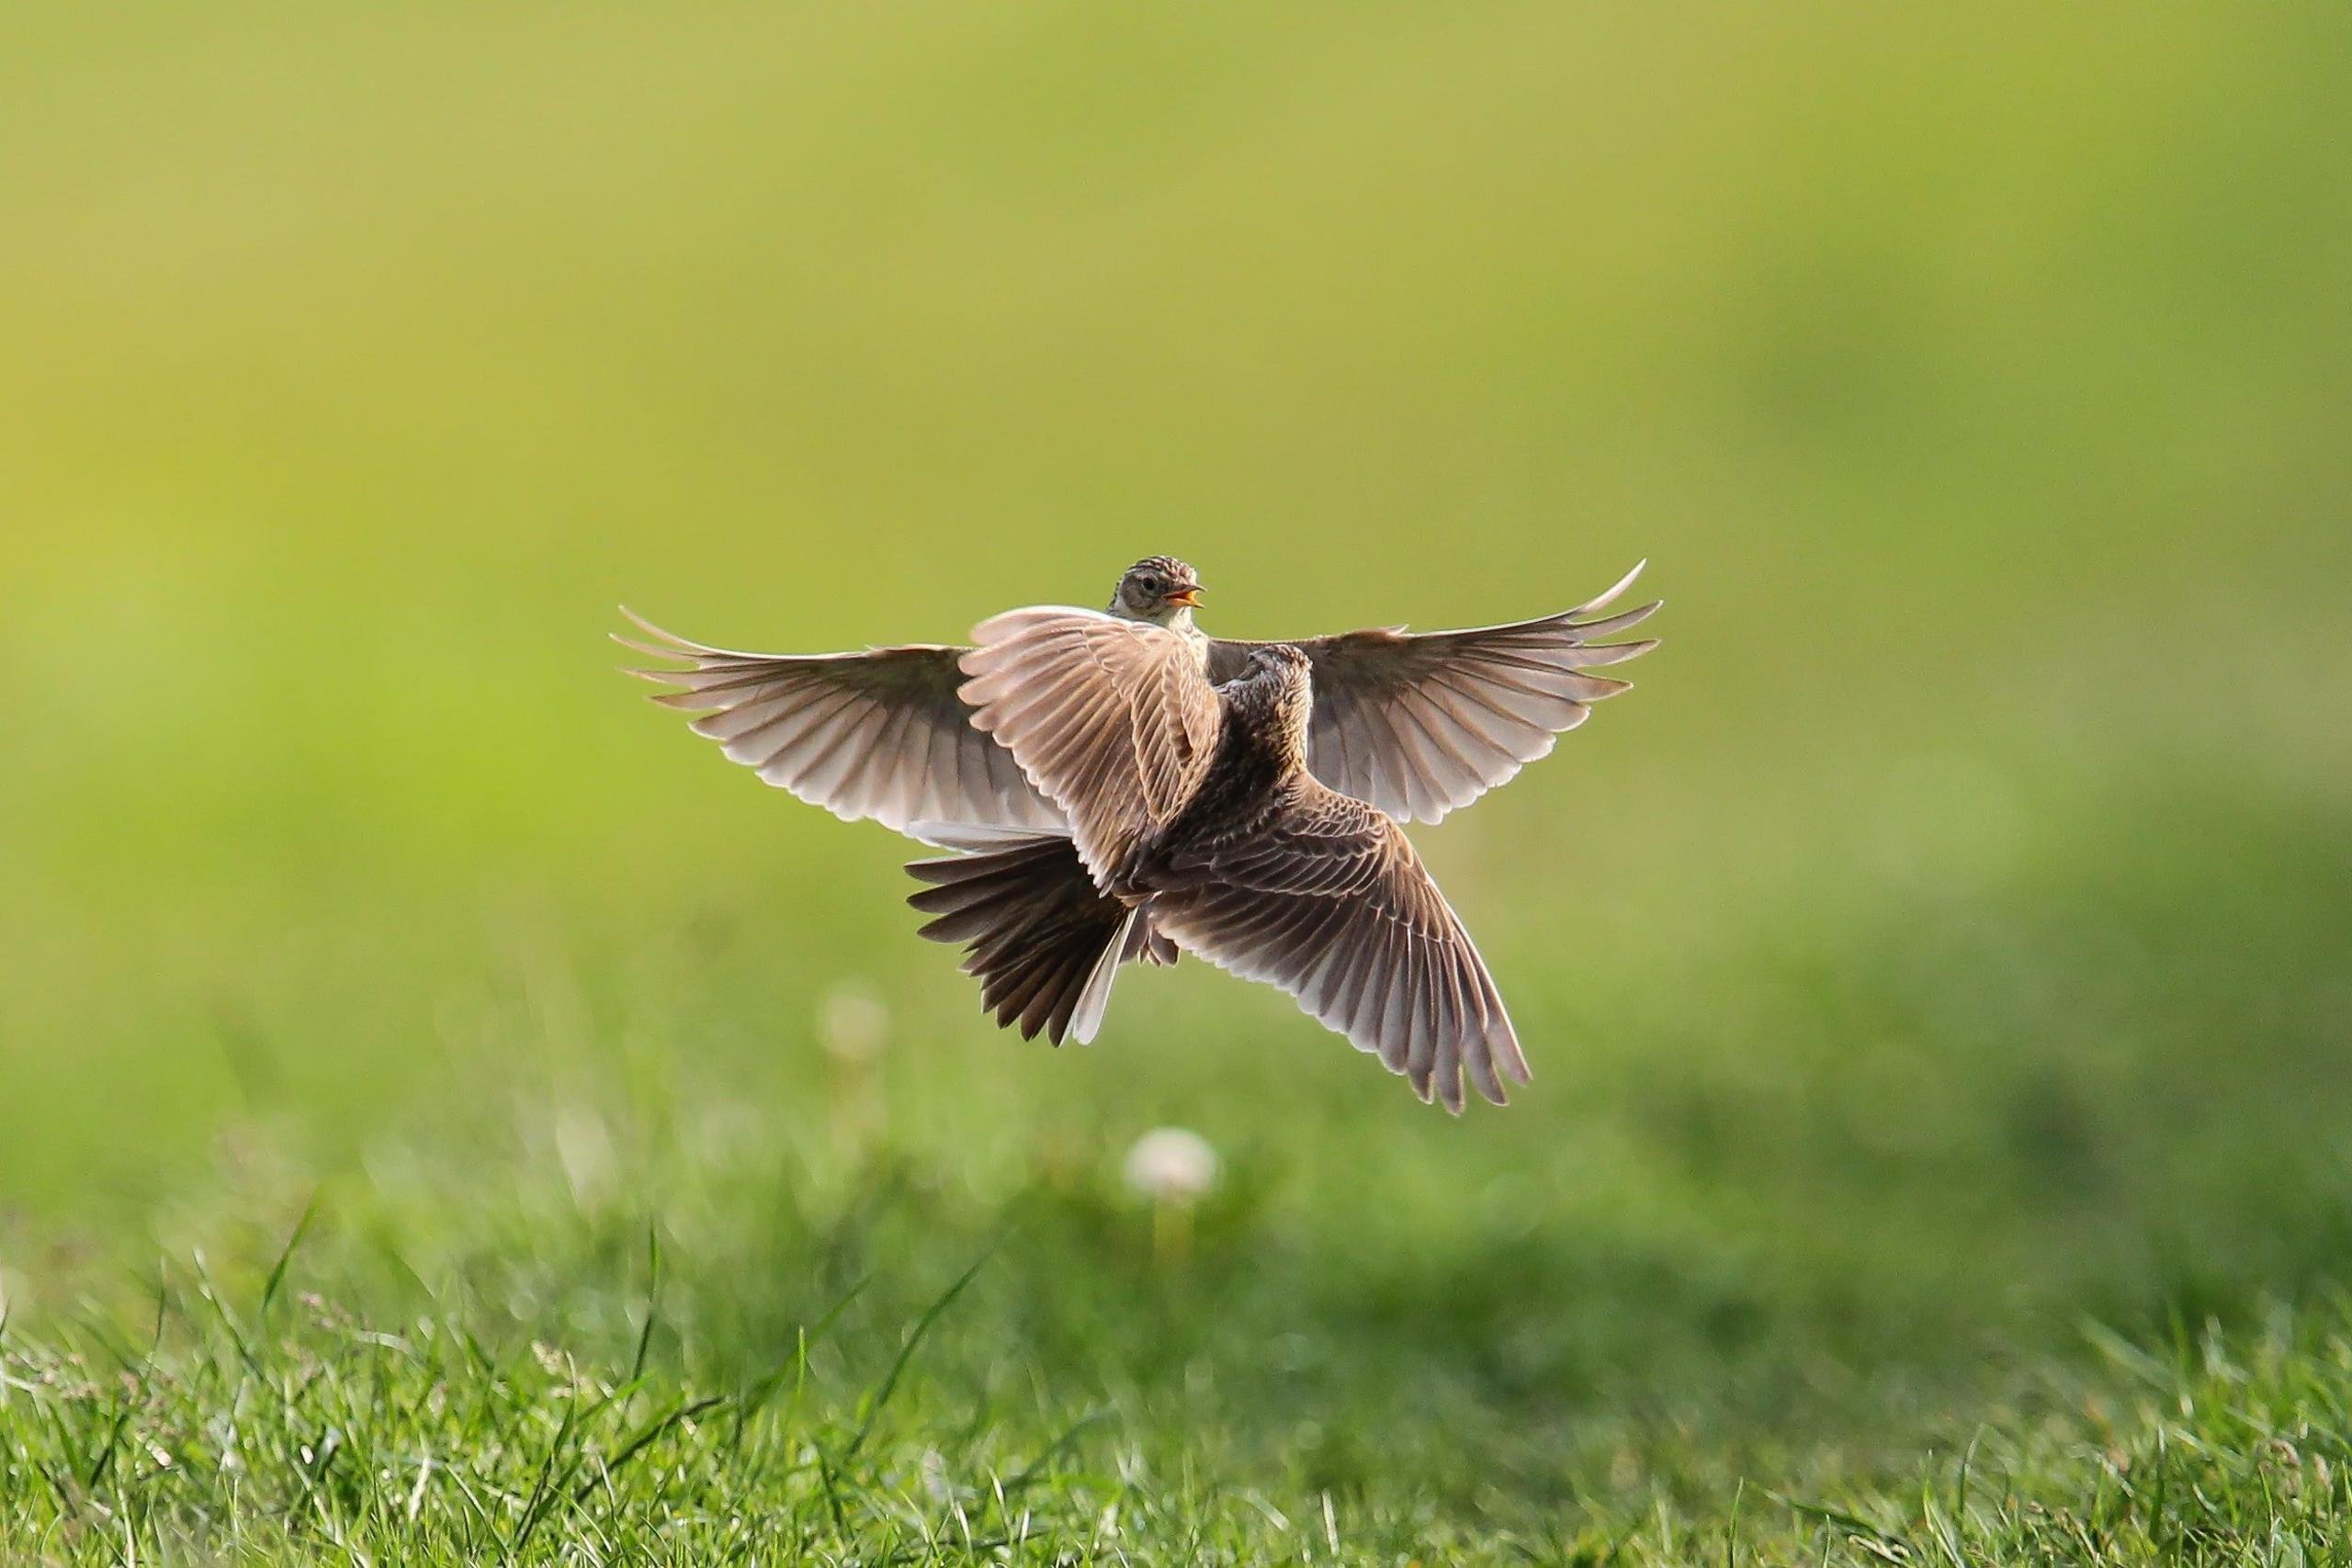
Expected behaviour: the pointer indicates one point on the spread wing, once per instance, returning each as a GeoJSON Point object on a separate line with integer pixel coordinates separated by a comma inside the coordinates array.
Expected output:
{"type": "Point", "coordinates": [1331, 904]}
{"type": "Point", "coordinates": [1419, 725]}
{"type": "Point", "coordinates": [1112, 720]}
{"type": "Point", "coordinates": [878, 734]}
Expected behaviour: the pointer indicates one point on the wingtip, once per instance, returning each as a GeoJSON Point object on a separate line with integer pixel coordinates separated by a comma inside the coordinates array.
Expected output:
{"type": "Point", "coordinates": [679, 647]}
{"type": "Point", "coordinates": [1586, 631]}
{"type": "Point", "coordinates": [649, 651]}
{"type": "Point", "coordinates": [1609, 596]}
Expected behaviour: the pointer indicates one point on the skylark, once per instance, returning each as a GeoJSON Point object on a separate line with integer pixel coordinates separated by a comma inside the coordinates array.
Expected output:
{"type": "Point", "coordinates": [1124, 787]}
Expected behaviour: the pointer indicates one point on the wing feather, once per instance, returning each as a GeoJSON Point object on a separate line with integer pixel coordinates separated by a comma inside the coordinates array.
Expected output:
{"type": "Point", "coordinates": [1113, 721]}
{"type": "Point", "coordinates": [880, 734]}
{"type": "Point", "coordinates": [1423, 725]}
{"type": "Point", "coordinates": [1329, 902]}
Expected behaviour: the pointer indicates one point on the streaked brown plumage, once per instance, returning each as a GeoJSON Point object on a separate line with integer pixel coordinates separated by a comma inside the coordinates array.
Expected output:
{"type": "Point", "coordinates": [1127, 786]}
{"type": "Point", "coordinates": [1192, 812]}
{"type": "Point", "coordinates": [1419, 725]}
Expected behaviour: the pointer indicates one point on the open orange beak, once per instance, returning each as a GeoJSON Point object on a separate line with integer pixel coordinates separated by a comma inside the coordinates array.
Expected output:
{"type": "Point", "coordinates": [1188, 597]}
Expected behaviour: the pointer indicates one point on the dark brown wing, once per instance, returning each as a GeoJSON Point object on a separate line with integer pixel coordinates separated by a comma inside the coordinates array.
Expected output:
{"type": "Point", "coordinates": [1331, 904]}
{"type": "Point", "coordinates": [1112, 720]}
{"type": "Point", "coordinates": [878, 734]}
{"type": "Point", "coordinates": [1419, 725]}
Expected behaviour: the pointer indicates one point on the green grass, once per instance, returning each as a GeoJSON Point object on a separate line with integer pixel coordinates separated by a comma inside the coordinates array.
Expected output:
{"type": "Point", "coordinates": [252, 1418]}
{"type": "Point", "coordinates": [1775, 1285]}
{"type": "Point", "coordinates": [1934, 973]}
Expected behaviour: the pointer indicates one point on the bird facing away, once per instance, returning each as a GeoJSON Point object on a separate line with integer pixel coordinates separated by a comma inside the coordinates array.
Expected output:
{"type": "Point", "coordinates": [1126, 787]}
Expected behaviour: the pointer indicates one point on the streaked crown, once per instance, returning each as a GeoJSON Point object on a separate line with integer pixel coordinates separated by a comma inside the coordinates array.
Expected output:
{"type": "Point", "coordinates": [1283, 662]}
{"type": "Point", "coordinates": [1274, 697]}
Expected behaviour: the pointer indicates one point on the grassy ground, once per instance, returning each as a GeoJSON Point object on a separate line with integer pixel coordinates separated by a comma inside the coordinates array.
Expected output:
{"type": "Point", "coordinates": [448, 1115]}
{"type": "Point", "coordinates": [1773, 1273]}
{"type": "Point", "coordinates": [280, 1425]}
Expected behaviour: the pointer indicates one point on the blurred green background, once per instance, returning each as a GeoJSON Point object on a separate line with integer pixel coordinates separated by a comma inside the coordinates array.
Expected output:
{"type": "Point", "coordinates": [1948, 939]}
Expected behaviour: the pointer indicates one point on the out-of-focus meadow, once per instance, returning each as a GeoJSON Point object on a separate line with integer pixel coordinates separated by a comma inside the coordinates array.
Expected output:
{"type": "Point", "coordinates": [1944, 947]}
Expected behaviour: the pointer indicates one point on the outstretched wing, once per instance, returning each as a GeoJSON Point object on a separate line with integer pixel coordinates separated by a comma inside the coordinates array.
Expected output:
{"type": "Point", "coordinates": [1112, 720]}
{"type": "Point", "coordinates": [878, 734]}
{"type": "Point", "coordinates": [1419, 725]}
{"type": "Point", "coordinates": [1331, 904]}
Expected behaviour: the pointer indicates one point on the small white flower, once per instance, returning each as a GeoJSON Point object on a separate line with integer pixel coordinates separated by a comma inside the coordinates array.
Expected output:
{"type": "Point", "coordinates": [1171, 1163]}
{"type": "Point", "coordinates": [853, 1023]}
{"type": "Point", "coordinates": [935, 1481]}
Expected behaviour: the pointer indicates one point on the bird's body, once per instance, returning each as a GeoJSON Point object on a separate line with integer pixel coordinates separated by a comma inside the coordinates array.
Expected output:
{"type": "Point", "coordinates": [1114, 804]}
{"type": "Point", "coordinates": [1258, 775]}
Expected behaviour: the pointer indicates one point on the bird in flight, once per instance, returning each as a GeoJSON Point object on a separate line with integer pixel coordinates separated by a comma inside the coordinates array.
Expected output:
{"type": "Point", "coordinates": [1124, 787]}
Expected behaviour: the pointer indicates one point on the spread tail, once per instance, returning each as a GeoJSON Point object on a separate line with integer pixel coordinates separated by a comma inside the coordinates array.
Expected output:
{"type": "Point", "coordinates": [1043, 939]}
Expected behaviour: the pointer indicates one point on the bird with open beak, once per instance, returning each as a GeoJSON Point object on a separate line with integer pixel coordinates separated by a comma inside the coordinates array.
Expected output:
{"type": "Point", "coordinates": [1125, 787]}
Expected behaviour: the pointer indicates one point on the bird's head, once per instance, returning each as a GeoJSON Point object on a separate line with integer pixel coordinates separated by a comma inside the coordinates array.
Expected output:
{"type": "Point", "coordinates": [1158, 588]}
{"type": "Point", "coordinates": [1281, 664]}
{"type": "Point", "coordinates": [1278, 690]}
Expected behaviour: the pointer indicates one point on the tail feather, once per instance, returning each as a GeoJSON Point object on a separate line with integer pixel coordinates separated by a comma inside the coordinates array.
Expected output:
{"type": "Point", "coordinates": [1044, 941]}
{"type": "Point", "coordinates": [1147, 944]}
